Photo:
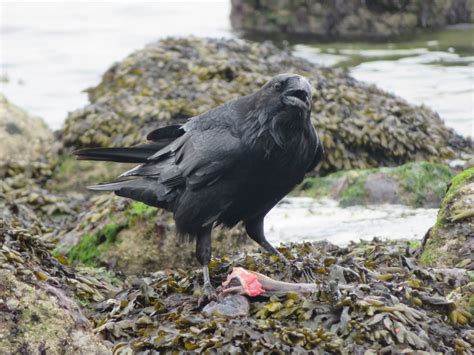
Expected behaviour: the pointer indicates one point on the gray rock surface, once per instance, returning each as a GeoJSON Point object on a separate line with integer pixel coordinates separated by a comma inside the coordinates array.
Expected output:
{"type": "Point", "coordinates": [22, 136]}
{"type": "Point", "coordinates": [348, 18]}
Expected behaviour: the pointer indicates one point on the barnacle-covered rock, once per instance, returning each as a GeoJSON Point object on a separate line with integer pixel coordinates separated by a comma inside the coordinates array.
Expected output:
{"type": "Point", "coordinates": [451, 240]}
{"type": "Point", "coordinates": [39, 299]}
{"type": "Point", "coordinates": [349, 18]}
{"type": "Point", "coordinates": [22, 136]}
{"type": "Point", "coordinates": [26, 201]}
{"type": "Point", "coordinates": [173, 79]}
{"type": "Point", "coordinates": [419, 184]}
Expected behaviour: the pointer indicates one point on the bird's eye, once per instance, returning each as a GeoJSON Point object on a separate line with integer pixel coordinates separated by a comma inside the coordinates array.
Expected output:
{"type": "Point", "coordinates": [277, 86]}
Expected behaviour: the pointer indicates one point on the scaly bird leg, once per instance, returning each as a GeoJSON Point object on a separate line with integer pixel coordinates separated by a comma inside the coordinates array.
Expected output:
{"type": "Point", "coordinates": [203, 254]}
{"type": "Point", "coordinates": [256, 232]}
{"type": "Point", "coordinates": [207, 287]}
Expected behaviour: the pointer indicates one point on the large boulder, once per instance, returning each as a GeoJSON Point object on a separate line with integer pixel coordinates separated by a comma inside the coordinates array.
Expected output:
{"type": "Point", "coordinates": [22, 136]}
{"type": "Point", "coordinates": [348, 18]}
{"type": "Point", "coordinates": [450, 242]}
{"type": "Point", "coordinates": [173, 79]}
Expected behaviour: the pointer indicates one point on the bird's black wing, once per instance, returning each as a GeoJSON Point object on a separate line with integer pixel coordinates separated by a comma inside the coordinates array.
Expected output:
{"type": "Point", "coordinates": [197, 158]}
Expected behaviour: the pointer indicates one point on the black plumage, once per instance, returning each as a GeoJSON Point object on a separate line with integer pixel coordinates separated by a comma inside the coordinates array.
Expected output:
{"type": "Point", "coordinates": [230, 164]}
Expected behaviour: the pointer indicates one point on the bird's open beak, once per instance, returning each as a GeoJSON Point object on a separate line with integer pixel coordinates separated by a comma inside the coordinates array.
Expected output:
{"type": "Point", "coordinates": [298, 94]}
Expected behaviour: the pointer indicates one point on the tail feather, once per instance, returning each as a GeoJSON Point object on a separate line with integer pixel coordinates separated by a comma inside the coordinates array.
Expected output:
{"type": "Point", "coordinates": [138, 154]}
{"type": "Point", "coordinates": [111, 186]}
{"type": "Point", "coordinates": [146, 190]}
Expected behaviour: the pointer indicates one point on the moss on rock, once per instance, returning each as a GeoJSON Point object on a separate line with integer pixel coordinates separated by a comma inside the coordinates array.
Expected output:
{"type": "Point", "coordinates": [451, 240]}
{"type": "Point", "coordinates": [419, 184]}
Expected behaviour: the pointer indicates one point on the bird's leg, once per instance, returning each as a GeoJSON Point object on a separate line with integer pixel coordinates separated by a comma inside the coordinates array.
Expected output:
{"type": "Point", "coordinates": [255, 231]}
{"type": "Point", "coordinates": [203, 254]}
{"type": "Point", "coordinates": [207, 286]}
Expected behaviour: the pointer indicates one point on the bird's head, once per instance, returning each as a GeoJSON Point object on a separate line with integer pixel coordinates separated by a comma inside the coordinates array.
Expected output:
{"type": "Point", "coordinates": [290, 90]}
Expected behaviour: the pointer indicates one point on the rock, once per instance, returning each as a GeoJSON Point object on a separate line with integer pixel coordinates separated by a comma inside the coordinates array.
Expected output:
{"type": "Point", "coordinates": [419, 184]}
{"type": "Point", "coordinates": [22, 136]}
{"type": "Point", "coordinates": [34, 322]}
{"type": "Point", "coordinates": [39, 299]}
{"type": "Point", "coordinates": [134, 239]}
{"type": "Point", "coordinates": [381, 189]}
{"type": "Point", "coordinates": [230, 306]}
{"type": "Point", "coordinates": [350, 18]}
{"type": "Point", "coordinates": [450, 242]}
{"type": "Point", "coordinates": [173, 79]}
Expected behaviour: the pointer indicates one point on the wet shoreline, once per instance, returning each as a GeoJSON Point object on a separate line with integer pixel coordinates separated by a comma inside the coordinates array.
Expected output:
{"type": "Point", "coordinates": [298, 219]}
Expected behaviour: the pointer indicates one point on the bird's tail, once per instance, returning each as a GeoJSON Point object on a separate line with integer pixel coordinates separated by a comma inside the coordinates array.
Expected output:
{"type": "Point", "coordinates": [113, 186]}
{"type": "Point", "coordinates": [160, 138]}
{"type": "Point", "coordinates": [146, 190]}
{"type": "Point", "coordinates": [137, 154]}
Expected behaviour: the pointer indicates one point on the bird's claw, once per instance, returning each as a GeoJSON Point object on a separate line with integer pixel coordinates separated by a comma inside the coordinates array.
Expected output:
{"type": "Point", "coordinates": [208, 289]}
{"type": "Point", "coordinates": [208, 295]}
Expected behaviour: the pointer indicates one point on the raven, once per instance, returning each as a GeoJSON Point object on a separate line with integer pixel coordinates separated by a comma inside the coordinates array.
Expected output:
{"type": "Point", "coordinates": [230, 164]}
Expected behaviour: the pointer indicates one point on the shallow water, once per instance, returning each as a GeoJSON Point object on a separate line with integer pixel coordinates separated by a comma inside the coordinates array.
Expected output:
{"type": "Point", "coordinates": [299, 219]}
{"type": "Point", "coordinates": [435, 69]}
{"type": "Point", "coordinates": [51, 51]}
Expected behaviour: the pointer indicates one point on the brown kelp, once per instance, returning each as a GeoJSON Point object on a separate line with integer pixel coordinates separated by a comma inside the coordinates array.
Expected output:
{"type": "Point", "coordinates": [372, 296]}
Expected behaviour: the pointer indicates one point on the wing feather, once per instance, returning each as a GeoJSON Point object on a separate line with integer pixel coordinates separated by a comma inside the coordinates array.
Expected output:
{"type": "Point", "coordinates": [197, 158]}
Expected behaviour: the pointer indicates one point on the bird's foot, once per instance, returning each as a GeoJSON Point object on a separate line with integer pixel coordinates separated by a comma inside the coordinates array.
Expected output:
{"type": "Point", "coordinates": [208, 294]}
{"type": "Point", "coordinates": [208, 289]}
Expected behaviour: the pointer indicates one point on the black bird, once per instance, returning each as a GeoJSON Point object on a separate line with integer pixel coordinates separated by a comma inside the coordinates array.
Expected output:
{"type": "Point", "coordinates": [232, 163]}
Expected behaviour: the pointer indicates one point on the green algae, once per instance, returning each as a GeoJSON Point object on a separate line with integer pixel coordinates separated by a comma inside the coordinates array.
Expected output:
{"type": "Point", "coordinates": [91, 246]}
{"type": "Point", "coordinates": [429, 257]}
{"type": "Point", "coordinates": [94, 242]}
{"type": "Point", "coordinates": [448, 240]}
{"type": "Point", "coordinates": [355, 194]}
{"type": "Point", "coordinates": [419, 180]}
{"type": "Point", "coordinates": [419, 184]}
{"type": "Point", "coordinates": [459, 180]}
{"type": "Point", "coordinates": [414, 244]}
{"type": "Point", "coordinates": [142, 210]}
